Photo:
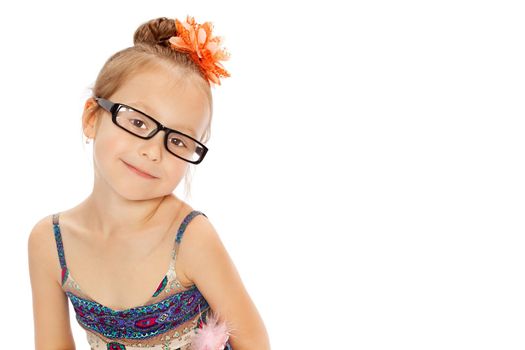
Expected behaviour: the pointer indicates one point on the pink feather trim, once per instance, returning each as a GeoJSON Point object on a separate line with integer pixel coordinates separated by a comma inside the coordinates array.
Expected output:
{"type": "Point", "coordinates": [212, 336]}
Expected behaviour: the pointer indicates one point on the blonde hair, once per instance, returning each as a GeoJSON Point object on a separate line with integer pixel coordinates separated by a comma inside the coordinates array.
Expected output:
{"type": "Point", "coordinates": [151, 50]}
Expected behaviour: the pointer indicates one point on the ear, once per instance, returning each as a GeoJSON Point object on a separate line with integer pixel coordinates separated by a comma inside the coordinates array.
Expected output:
{"type": "Point", "coordinates": [90, 118]}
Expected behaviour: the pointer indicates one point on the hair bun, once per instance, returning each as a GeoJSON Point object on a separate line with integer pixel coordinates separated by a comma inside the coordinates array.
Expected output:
{"type": "Point", "coordinates": [155, 31]}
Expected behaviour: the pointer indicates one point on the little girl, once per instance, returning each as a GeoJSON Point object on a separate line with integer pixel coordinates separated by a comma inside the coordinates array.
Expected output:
{"type": "Point", "coordinates": [119, 256]}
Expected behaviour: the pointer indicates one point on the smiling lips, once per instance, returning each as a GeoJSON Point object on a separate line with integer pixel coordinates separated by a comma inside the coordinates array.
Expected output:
{"type": "Point", "coordinates": [139, 172]}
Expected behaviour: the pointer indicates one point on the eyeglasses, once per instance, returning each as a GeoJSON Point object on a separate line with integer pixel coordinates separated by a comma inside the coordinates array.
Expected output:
{"type": "Point", "coordinates": [142, 125]}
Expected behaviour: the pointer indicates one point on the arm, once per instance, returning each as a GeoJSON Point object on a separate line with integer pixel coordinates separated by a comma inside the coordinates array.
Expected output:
{"type": "Point", "coordinates": [52, 329]}
{"type": "Point", "coordinates": [208, 265]}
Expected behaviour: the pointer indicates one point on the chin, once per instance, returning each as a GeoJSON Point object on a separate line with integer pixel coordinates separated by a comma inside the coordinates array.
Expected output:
{"type": "Point", "coordinates": [137, 193]}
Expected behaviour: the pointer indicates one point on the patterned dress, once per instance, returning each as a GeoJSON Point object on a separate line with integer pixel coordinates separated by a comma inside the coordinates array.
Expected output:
{"type": "Point", "coordinates": [167, 321]}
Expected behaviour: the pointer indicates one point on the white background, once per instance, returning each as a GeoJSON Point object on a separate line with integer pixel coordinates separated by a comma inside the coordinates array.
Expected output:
{"type": "Point", "coordinates": [365, 170]}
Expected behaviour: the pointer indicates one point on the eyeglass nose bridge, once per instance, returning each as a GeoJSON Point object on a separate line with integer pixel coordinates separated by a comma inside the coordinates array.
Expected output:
{"type": "Point", "coordinates": [159, 128]}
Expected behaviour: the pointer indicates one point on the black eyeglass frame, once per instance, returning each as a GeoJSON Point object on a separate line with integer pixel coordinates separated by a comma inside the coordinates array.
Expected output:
{"type": "Point", "coordinates": [114, 107]}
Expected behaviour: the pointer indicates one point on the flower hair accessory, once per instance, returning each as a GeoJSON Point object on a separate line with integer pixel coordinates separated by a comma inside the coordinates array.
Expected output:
{"type": "Point", "coordinates": [204, 49]}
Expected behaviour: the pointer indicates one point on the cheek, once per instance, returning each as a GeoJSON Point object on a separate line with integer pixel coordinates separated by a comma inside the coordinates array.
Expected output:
{"type": "Point", "coordinates": [110, 147]}
{"type": "Point", "coordinates": [175, 169]}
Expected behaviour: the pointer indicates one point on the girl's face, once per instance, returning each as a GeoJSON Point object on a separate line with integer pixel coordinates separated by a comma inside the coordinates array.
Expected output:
{"type": "Point", "coordinates": [176, 104]}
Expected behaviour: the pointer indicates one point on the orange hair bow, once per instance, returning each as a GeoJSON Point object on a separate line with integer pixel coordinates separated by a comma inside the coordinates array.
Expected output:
{"type": "Point", "coordinates": [204, 49]}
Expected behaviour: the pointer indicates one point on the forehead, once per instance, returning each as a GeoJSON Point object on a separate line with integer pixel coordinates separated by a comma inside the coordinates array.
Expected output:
{"type": "Point", "coordinates": [173, 101]}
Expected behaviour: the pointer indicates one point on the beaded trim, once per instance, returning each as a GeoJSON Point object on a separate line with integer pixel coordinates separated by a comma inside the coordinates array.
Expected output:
{"type": "Point", "coordinates": [140, 322]}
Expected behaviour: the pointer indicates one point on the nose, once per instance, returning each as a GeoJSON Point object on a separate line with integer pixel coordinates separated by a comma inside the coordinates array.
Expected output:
{"type": "Point", "coordinates": [152, 148]}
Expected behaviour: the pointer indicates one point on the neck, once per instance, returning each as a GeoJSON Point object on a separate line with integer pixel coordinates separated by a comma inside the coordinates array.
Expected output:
{"type": "Point", "coordinates": [110, 214]}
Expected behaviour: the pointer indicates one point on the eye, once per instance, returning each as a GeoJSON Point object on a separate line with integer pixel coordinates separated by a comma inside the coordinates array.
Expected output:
{"type": "Point", "coordinates": [137, 122]}
{"type": "Point", "coordinates": [176, 141]}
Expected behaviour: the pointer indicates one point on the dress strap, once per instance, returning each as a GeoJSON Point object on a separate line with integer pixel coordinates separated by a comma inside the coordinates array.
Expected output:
{"type": "Point", "coordinates": [60, 248]}
{"type": "Point", "coordinates": [58, 240]}
{"type": "Point", "coordinates": [185, 223]}
{"type": "Point", "coordinates": [182, 228]}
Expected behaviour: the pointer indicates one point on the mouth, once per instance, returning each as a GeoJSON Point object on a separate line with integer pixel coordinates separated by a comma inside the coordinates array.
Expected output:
{"type": "Point", "coordinates": [139, 172]}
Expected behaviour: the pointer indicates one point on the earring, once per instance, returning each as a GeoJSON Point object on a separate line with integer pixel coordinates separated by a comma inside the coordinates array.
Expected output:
{"type": "Point", "coordinates": [87, 140]}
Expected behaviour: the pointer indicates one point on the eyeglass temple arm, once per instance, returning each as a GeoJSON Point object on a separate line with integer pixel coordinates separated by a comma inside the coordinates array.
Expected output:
{"type": "Point", "coordinates": [107, 105]}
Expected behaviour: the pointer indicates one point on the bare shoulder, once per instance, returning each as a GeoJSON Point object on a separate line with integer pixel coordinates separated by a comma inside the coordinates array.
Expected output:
{"type": "Point", "coordinates": [50, 309]}
{"type": "Point", "coordinates": [42, 246]}
{"type": "Point", "coordinates": [200, 237]}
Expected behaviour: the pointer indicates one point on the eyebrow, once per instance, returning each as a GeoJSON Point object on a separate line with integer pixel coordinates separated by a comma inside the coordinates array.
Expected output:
{"type": "Point", "coordinates": [142, 106]}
